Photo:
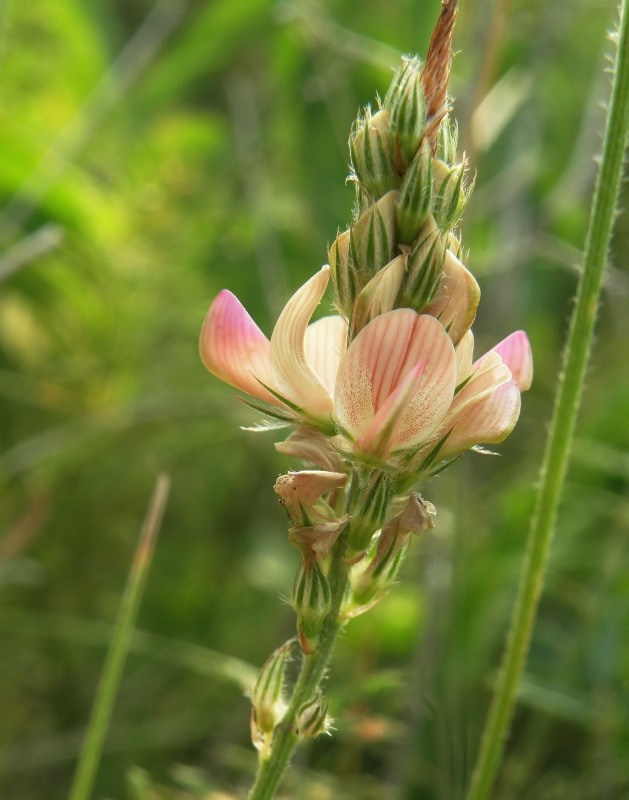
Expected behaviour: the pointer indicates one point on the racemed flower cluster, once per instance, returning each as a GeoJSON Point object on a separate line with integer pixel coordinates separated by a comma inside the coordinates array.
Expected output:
{"type": "Point", "coordinates": [400, 389]}
{"type": "Point", "coordinates": [387, 391]}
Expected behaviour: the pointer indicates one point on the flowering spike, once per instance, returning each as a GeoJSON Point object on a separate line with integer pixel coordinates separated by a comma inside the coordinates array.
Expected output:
{"type": "Point", "coordinates": [415, 196]}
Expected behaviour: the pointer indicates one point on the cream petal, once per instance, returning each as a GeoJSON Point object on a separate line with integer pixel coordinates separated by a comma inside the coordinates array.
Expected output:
{"type": "Point", "coordinates": [515, 351]}
{"type": "Point", "coordinates": [457, 298]}
{"type": "Point", "coordinates": [324, 344]}
{"type": "Point", "coordinates": [464, 355]}
{"type": "Point", "coordinates": [377, 362]}
{"type": "Point", "coordinates": [233, 348]}
{"type": "Point", "coordinates": [490, 373]}
{"type": "Point", "coordinates": [294, 377]}
{"type": "Point", "coordinates": [488, 419]}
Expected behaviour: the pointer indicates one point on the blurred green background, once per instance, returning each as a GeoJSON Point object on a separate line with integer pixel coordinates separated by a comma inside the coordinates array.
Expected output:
{"type": "Point", "coordinates": [152, 153]}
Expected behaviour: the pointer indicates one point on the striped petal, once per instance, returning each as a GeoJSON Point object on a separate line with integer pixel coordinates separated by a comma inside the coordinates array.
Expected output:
{"type": "Point", "coordinates": [294, 377]}
{"type": "Point", "coordinates": [324, 344]}
{"type": "Point", "coordinates": [373, 372]}
{"type": "Point", "coordinates": [233, 348]}
{"type": "Point", "coordinates": [457, 298]}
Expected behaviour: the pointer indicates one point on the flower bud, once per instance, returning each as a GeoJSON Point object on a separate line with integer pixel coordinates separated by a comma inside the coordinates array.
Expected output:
{"type": "Point", "coordinates": [415, 196]}
{"type": "Point", "coordinates": [372, 151]}
{"type": "Point", "coordinates": [267, 698]}
{"type": "Point", "coordinates": [424, 268]}
{"type": "Point", "coordinates": [371, 581]}
{"type": "Point", "coordinates": [373, 238]}
{"type": "Point", "coordinates": [369, 509]}
{"type": "Point", "coordinates": [406, 104]}
{"type": "Point", "coordinates": [379, 295]}
{"type": "Point", "coordinates": [451, 194]}
{"type": "Point", "coordinates": [311, 601]}
{"type": "Point", "coordinates": [312, 718]}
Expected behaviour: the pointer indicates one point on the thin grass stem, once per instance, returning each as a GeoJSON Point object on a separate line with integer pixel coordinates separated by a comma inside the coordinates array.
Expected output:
{"type": "Point", "coordinates": [562, 427]}
{"type": "Point", "coordinates": [91, 751]}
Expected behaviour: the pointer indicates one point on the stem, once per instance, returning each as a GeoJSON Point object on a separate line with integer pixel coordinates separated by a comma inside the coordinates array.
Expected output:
{"type": "Point", "coordinates": [85, 774]}
{"type": "Point", "coordinates": [562, 426]}
{"type": "Point", "coordinates": [313, 668]}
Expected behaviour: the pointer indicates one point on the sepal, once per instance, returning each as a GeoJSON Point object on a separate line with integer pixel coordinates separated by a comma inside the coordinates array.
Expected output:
{"type": "Point", "coordinates": [267, 698]}
{"type": "Point", "coordinates": [311, 600]}
{"type": "Point", "coordinates": [406, 104]}
{"type": "Point", "coordinates": [415, 198]}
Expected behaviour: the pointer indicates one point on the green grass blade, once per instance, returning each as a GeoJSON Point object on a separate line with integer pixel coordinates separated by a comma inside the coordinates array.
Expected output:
{"type": "Point", "coordinates": [91, 751]}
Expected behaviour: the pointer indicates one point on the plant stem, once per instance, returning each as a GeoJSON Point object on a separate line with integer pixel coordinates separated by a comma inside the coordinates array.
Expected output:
{"type": "Point", "coordinates": [313, 668]}
{"type": "Point", "coordinates": [564, 416]}
{"type": "Point", "coordinates": [91, 751]}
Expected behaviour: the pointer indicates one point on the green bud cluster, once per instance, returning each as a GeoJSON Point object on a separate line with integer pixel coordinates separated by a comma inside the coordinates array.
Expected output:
{"type": "Point", "coordinates": [411, 193]}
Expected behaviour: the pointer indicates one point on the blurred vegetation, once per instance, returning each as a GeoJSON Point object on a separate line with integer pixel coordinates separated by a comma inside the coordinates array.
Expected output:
{"type": "Point", "coordinates": [152, 153]}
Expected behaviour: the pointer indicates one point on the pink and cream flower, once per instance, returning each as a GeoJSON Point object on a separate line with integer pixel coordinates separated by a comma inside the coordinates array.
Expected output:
{"type": "Point", "coordinates": [400, 387]}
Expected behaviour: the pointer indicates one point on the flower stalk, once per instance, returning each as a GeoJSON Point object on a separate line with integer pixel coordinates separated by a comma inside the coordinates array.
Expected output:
{"type": "Point", "coordinates": [380, 395]}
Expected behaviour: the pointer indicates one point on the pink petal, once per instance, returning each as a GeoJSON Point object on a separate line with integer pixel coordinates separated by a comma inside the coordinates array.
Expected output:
{"type": "Point", "coordinates": [457, 298]}
{"type": "Point", "coordinates": [376, 365]}
{"type": "Point", "coordinates": [489, 419]}
{"type": "Point", "coordinates": [515, 351]}
{"type": "Point", "coordinates": [233, 348]}
{"type": "Point", "coordinates": [324, 344]}
{"type": "Point", "coordinates": [294, 377]}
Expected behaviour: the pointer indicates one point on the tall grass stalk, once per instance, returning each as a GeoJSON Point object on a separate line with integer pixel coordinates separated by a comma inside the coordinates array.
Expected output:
{"type": "Point", "coordinates": [567, 400]}
{"type": "Point", "coordinates": [91, 751]}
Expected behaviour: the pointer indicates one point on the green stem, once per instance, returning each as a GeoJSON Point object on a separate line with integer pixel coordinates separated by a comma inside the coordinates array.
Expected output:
{"type": "Point", "coordinates": [562, 426]}
{"type": "Point", "coordinates": [313, 668]}
{"type": "Point", "coordinates": [85, 774]}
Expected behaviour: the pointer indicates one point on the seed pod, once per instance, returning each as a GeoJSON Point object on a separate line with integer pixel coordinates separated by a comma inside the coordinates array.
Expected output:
{"type": "Point", "coordinates": [267, 697]}
{"type": "Point", "coordinates": [312, 718]}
